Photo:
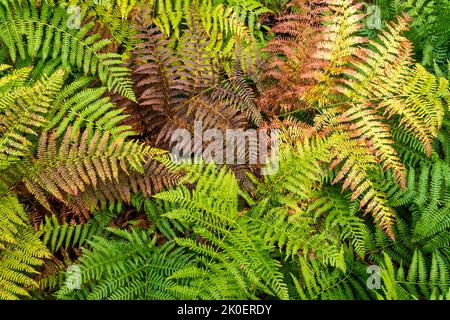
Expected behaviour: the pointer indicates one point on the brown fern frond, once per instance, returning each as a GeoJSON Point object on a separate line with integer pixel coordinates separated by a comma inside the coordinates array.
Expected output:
{"type": "Point", "coordinates": [177, 89]}
{"type": "Point", "coordinates": [311, 53]}
{"type": "Point", "coordinates": [88, 159]}
{"type": "Point", "coordinates": [293, 62]}
{"type": "Point", "coordinates": [156, 178]}
{"type": "Point", "coordinates": [236, 92]}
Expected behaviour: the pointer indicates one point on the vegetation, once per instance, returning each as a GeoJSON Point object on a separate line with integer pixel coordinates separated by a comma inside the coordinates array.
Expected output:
{"type": "Point", "coordinates": [92, 94]}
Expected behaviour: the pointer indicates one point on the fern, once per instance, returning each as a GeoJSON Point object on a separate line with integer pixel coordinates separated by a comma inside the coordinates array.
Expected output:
{"type": "Point", "coordinates": [154, 209]}
{"type": "Point", "coordinates": [230, 26]}
{"type": "Point", "coordinates": [357, 90]}
{"type": "Point", "coordinates": [78, 162]}
{"type": "Point", "coordinates": [319, 283]}
{"type": "Point", "coordinates": [214, 215]}
{"type": "Point", "coordinates": [429, 30]}
{"type": "Point", "coordinates": [172, 86]}
{"type": "Point", "coordinates": [97, 153]}
{"type": "Point", "coordinates": [113, 18]}
{"type": "Point", "coordinates": [49, 36]}
{"type": "Point", "coordinates": [58, 235]}
{"type": "Point", "coordinates": [111, 264]}
{"type": "Point", "coordinates": [420, 281]}
{"type": "Point", "coordinates": [350, 203]}
{"type": "Point", "coordinates": [25, 116]}
{"type": "Point", "coordinates": [22, 253]}
{"type": "Point", "coordinates": [77, 106]}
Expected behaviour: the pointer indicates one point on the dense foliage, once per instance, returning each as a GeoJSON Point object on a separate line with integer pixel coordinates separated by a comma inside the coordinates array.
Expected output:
{"type": "Point", "coordinates": [93, 92]}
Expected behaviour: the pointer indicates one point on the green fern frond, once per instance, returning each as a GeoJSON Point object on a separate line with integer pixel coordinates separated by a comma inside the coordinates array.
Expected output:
{"type": "Point", "coordinates": [21, 251]}
{"type": "Point", "coordinates": [129, 266]}
{"type": "Point", "coordinates": [49, 34]}
{"type": "Point", "coordinates": [212, 209]}
{"type": "Point", "coordinates": [27, 109]}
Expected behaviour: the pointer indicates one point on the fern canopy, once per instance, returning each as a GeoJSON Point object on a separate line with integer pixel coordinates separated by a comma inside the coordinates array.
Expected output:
{"type": "Point", "coordinates": [328, 122]}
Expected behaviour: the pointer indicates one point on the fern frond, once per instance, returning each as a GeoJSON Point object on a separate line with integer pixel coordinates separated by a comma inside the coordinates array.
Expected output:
{"type": "Point", "coordinates": [212, 209]}
{"type": "Point", "coordinates": [48, 34]}
{"type": "Point", "coordinates": [108, 267]}
{"type": "Point", "coordinates": [21, 251]}
{"type": "Point", "coordinates": [26, 113]}
{"type": "Point", "coordinates": [84, 159]}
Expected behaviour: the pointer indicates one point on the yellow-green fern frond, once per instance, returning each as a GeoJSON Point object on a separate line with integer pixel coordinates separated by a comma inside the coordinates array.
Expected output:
{"type": "Point", "coordinates": [45, 31]}
{"type": "Point", "coordinates": [21, 251]}
{"type": "Point", "coordinates": [22, 112]}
